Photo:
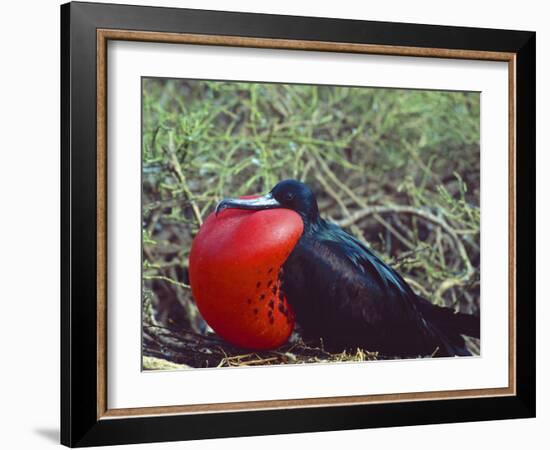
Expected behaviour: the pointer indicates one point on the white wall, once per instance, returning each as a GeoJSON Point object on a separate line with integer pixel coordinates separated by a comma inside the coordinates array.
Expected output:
{"type": "Point", "coordinates": [29, 190]}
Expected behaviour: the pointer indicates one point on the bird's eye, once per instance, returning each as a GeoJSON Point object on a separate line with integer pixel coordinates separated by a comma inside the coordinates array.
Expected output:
{"type": "Point", "coordinates": [289, 196]}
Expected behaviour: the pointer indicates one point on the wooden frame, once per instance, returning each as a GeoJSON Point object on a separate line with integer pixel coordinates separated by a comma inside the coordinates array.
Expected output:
{"type": "Point", "coordinates": [86, 419]}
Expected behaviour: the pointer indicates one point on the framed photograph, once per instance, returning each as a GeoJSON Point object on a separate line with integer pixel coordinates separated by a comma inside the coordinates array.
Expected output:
{"type": "Point", "coordinates": [277, 224]}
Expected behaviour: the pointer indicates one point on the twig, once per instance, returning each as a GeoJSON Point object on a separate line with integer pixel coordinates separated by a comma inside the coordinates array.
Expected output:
{"type": "Point", "coordinates": [335, 179]}
{"type": "Point", "coordinates": [392, 230]}
{"type": "Point", "coordinates": [399, 209]}
{"type": "Point", "coordinates": [176, 167]}
{"type": "Point", "coordinates": [328, 188]}
{"type": "Point", "coordinates": [415, 284]}
{"type": "Point", "coordinates": [169, 280]}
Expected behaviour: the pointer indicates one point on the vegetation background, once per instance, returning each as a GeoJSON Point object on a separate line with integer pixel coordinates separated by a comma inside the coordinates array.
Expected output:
{"type": "Point", "coordinates": [399, 169]}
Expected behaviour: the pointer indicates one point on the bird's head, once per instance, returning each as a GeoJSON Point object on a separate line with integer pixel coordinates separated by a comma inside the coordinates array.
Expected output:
{"type": "Point", "coordinates": [289, 194]}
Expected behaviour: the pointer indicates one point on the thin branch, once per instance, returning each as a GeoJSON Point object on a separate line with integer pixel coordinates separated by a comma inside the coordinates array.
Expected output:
{"type": "Point", "coordinates": [400, 209]}
{"type": "Point", "coordinates": [167, 279]}
{"type": "Point", "coordinates": [176, 167]}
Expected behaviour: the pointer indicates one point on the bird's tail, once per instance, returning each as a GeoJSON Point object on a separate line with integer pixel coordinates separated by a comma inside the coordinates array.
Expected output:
{"type": "Point", "coordinates": [451, 326]}
{"type": "Point", "coordinates": [449, 320]}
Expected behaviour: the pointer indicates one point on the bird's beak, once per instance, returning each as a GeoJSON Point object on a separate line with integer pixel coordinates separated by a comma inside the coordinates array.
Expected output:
{"type": "Point", "coordinates": [264, 202]}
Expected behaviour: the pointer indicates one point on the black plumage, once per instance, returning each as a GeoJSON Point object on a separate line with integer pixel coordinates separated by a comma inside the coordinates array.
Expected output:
{"type": "Point", "coordinates": [344, 294]}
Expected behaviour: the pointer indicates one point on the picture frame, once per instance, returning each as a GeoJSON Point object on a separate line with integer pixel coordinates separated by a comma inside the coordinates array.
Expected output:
{"type": "Point", "coordinates": [86, 29]}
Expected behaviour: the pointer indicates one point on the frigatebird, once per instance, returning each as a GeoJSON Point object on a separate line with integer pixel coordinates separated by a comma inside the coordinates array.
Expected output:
{"type": "Point", "coordinates": [344, 294]}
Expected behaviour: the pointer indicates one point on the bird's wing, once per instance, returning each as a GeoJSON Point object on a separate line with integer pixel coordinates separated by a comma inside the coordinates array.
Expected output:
{"type": "Point", "coordinates": [344, 277]}
{"type": "Point", "coordinates": [365, 260]}
{"type": "Point", "coordinates": [341, 290]}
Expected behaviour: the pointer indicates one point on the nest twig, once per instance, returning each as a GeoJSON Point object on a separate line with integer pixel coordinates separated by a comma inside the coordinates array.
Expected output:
{"type": "Point", "coordinates": [208, 350]}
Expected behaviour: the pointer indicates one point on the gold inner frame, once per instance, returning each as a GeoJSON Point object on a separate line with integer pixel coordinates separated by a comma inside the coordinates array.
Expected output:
{"type": "Point", "coordinates": [104, 35]}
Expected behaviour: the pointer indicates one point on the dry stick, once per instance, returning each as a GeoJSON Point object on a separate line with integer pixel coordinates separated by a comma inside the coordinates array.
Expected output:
{"type": "Point", "coordinates": [375, 211]}
{"type": "Point", "coordinates": [415, 284]}
{"type": "Point", "coordinates": [401, 209]}
{"type": "Point", "coordinates": [167, 265]}
{"type": "Point", "coordinates": [176, 167]}
{"type": "Point", "coordinates": [396, 233]}
{"type": "Point", "coordinates": [408, 254]}
{"type": "Point", "coordinates": [411, 237]}
{"type": "Point", "coordinates": [336, 181]}
{"type": "Point", "coordinates": [439, 245]}
{"type": "Point", "coordinates": [360, 202]}
{"type": "Point", "coordinates": [154, 220]}
{"type": "Point", "coordinates": [413, 151]}
{"type": "Point", "coordinates": [309, 165]}
{"type": "Point", "coordinates": [333, 194]}
{"type": "Point", "coordinates": [190, 307]}
{"type": "Point", "coordinates": [168, 279]}
{"type": "Point", "coordinates": [356, 231]}
{"type": "Point", "coordinates": [445, 285]}
{"type": "Point", "coordinates": [403, 229]}
{"type": "Point", "coordinates": [450, 283]}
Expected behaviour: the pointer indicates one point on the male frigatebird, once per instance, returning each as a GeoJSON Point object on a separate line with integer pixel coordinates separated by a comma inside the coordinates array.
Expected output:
{"type": "Point", "coordinates": [341, 292]}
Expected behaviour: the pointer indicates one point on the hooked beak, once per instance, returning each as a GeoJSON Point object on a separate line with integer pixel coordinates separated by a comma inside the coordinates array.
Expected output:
{"type": "Point", "coordinates": [264, 202]}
